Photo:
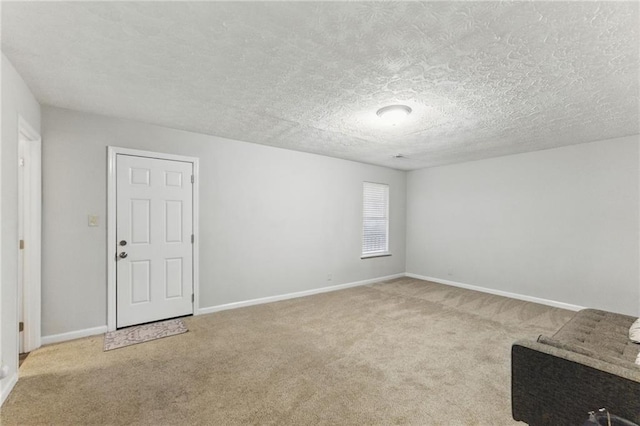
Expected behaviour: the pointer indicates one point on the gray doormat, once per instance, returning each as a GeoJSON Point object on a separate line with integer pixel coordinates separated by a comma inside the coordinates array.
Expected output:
{"type": "Point", "coordinates": [143, 333]}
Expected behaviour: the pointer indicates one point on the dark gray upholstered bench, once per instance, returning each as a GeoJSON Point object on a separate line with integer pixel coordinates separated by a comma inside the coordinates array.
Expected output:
{"type": "Point", "coordinates": [588, 364]}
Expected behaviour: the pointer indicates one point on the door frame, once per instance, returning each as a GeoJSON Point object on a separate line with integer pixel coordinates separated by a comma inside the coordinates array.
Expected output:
{"type": "Point", "coordinates": [112, 153]}
{"type": "Point", "coordinates": [30, 189]}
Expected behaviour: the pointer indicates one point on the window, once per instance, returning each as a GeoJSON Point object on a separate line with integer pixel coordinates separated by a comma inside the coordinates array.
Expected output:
{"type": "Point", "coordinates": [375, 219]}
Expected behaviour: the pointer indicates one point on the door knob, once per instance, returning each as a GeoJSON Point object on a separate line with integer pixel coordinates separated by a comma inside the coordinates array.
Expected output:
{"type": "Point", "coordinates": [123, 255]}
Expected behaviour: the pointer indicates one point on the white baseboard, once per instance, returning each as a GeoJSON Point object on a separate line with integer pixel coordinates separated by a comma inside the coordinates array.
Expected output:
{"type": "Point", "coordinates": [11, 382]}
{"type": "Point", "coordinates": [63, 337]}
{"type": "Point", "coordinates": [526, 298]}
{"type": "Point", "coordinates": [280, 297]}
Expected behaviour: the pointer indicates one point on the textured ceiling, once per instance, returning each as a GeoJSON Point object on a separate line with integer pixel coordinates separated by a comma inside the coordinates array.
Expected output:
{"type": "Point", "coordinates": [483, 79]}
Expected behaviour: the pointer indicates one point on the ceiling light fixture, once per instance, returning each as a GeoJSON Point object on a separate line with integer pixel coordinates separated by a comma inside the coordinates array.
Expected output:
{"type": "Point", "coordinates": [394, 114]}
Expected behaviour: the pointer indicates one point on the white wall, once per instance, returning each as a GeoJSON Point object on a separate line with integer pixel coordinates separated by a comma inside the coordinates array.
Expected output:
{"type": "Point", "coordinates": [272, 221]}
{"type": "Point", "coordinates": [17, 100]}
{"type": "Point", "coordinates": [558, 224]}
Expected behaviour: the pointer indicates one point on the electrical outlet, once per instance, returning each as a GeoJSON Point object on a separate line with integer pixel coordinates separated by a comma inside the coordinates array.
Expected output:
{"type": "Point", "coordinates": [329, 277]}
{"type": "Point", "coordinates": [93, 220]}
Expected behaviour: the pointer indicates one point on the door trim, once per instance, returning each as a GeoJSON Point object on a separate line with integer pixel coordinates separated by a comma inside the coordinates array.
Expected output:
{"type": "Point", "coordinates": [112, 152]}
{"type": "Point", "coordinates": [31, 177]}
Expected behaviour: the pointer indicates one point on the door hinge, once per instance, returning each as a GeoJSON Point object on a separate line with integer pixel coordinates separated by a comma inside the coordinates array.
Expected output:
{"type": "Point", "coordinates": [21, 244]}
{"type": "Point", "coordinates": [21, 162]}
{"type": "Point", "coordinates": [193, 238]}
{"type": "Point", "coordinates": [20, 326]}
{"type": "Point", "coordinates": [193, 179]}
{"type": "Point", "coordinates": [193, 298]}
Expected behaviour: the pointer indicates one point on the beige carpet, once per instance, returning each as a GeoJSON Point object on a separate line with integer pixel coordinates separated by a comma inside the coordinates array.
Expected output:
{"type": "Point", "coordinates": [401, 352]}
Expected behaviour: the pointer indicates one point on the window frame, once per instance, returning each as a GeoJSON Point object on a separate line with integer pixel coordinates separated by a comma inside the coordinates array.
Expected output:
{"type": "Point", "coordinates": [386, 251]}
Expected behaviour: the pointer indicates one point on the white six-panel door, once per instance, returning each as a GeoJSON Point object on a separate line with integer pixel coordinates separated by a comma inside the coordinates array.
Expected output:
{"type": "Point", "coordinates": [154, 226]}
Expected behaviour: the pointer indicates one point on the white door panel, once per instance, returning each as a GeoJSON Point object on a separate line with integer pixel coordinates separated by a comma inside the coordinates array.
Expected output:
{"type": "Point", "coordinates": [155, 218]}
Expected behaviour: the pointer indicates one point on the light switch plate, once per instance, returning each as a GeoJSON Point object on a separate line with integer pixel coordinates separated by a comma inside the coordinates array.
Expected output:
{"type": "Point", "coordinates": [93, 220]}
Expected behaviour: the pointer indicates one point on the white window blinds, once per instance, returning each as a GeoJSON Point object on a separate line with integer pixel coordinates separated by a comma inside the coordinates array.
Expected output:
{"type": "Point", "coordinates": [375, 218]}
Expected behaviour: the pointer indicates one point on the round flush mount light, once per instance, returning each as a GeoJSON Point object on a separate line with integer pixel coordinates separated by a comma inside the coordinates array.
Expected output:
{"type": "Point", "coordinates": [394, 114]}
